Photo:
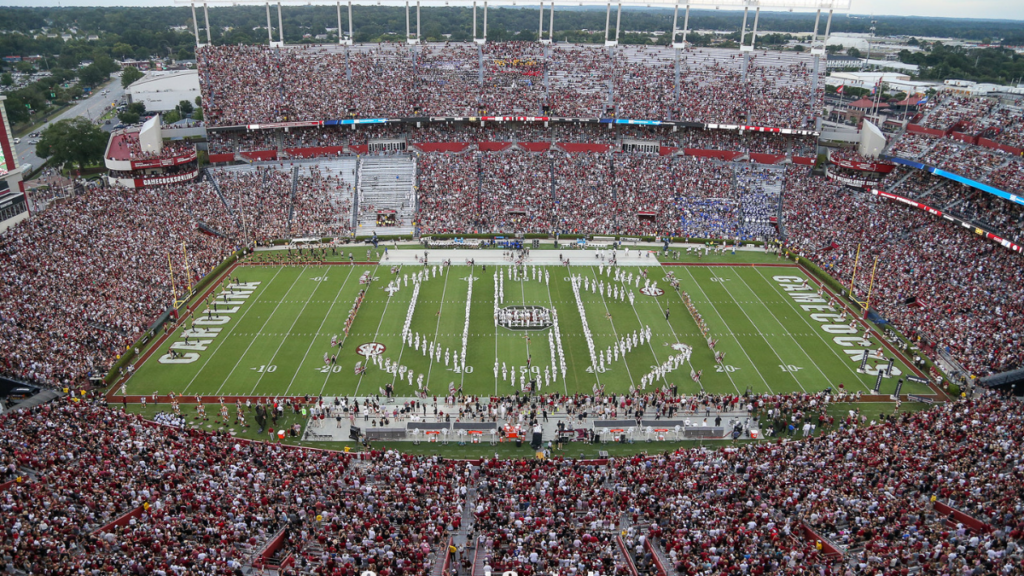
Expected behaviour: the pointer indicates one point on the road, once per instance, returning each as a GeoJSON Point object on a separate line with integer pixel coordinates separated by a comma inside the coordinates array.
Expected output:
{"type": "Point", "coordinates": [91, 108]}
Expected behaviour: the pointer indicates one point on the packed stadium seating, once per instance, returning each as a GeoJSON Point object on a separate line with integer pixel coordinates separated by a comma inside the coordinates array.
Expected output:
{"type": "Point", "coordinates": [976, 138]}
{"type": "Point", "coordinates": [396, 80]}
{"type": "Point", "coordinates": [878, 492]}
{"type": "Point", "coordinates": [954, 289]}
{"type": "Point", "coordinates": [68, 308]}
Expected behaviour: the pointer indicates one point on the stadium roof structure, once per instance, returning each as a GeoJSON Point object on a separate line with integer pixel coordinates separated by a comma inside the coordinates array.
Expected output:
{"type": "Point", "coordinates": [767, 4]}
{"type": "Point", "coordinates": [788, 5]}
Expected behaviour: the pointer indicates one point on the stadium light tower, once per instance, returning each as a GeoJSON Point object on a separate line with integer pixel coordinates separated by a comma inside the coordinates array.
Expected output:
{"type": "Point", "coordinates": [817, 48]}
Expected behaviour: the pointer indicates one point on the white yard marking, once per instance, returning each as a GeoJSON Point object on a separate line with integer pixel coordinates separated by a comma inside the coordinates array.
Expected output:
{"type": "Point", "coordinates": [726, 324]}
{"type": "Point", "coordinates": [324, 321]}
{"type": "Point", "coordinates": [278, 305]}
{"type": "Point", "coordinates": [229, 332]}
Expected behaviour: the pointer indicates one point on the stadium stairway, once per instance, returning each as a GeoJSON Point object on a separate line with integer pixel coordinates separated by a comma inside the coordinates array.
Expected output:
{"type": "Point", "coordinates": [386, 182]}
{"type": "Point", "coordinates": [291, 203]}
{"type": "Point", "coordinates": [220, 194]}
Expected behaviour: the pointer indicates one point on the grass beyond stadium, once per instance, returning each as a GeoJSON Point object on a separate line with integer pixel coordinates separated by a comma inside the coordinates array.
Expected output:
{"type": "Point", "coordinates": [270, 337]}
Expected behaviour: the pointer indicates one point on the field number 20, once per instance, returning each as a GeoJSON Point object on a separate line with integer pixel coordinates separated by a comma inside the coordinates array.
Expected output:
{"type": "Point", "coordinates": [725, 368]}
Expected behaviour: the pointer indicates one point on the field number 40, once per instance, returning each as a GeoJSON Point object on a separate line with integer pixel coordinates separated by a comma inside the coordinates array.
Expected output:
{"type": "Point", "coordinates": [789, 367]}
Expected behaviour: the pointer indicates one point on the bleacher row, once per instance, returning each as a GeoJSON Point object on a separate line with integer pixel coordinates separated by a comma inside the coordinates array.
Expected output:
{"type": "Point", "coordinates": [979, 139]}
{"type": "Point", "coordinates": [256, 84]}
{"type": "Point", "coordinates": [629, 193]}
{"type": "Point", "coordinates": [932, 492]}
{"type": "Point", "coordinates": [330, 141]}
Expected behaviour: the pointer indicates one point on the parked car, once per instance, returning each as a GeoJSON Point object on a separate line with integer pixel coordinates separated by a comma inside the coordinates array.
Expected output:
{"type": "Point", "coordinates": [17, 140]}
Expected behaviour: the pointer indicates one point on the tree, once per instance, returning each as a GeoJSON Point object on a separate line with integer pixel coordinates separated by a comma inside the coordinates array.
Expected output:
{"type": "Point", "coordinates": [912, 42]}
{"type": "Point", "coordinates": [92, 75]}
{"type": "Point", "coordinates": [185, 107]}
{"type": "Point", "coordinates": [171, 117]}
{"type": "Point", "coordinates": [853, 52]}
{"type": "Point", "coordinates": [128, 117]}
{"type": "Point", "coordinates": [7, 79]}
{"type": "Point", "coordinates": [130, 75]}
{"type": "Point", "coordinates": [74, 141]}
{"type": "Point", "coordinates": [834, 48]}
{"type": "Point", "coordinates": [137, 107]}
{"type": "Point", "coordinates": [798, 48]}
{"type": "Point", "coordinates": [199, 101]}
{"type": "Point", "coordinates": [197, 115]}
{"type": "Point", "coordinates": [25, 67]}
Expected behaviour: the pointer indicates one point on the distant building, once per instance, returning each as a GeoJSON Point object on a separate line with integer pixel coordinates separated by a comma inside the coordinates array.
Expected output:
{"type": "Point", "coordinates": [162, 91]}
{"type": "Point", "coordinates": [842, 62]}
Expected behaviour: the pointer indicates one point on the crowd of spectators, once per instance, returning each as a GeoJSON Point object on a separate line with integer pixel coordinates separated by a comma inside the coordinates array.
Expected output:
{"type": "Point", "coordinates": [973, 119]}
{"type": "Point", "coordinates": [127, 147]}
{"type": "Point", "coordinates": [1004, 217]}
{"type": "Point", "coordinates": [958, 292]}
{"type": "Point", "coordinates": [207, 503]}
{"type": "Point", "coordinates": [307, 142]}
{"type": "Point", "coordinates": [516, 192]}
{"type": "Point", "coordinates": [518, 78]}
{"type": "Point", "coordinates": [636, 193]}
{"type": "Point", "coordinates": [210, 502]}
{"type": "Point", "coordinates": [84, 279]}
{"type": "Point", "coordinates": [759, 189]}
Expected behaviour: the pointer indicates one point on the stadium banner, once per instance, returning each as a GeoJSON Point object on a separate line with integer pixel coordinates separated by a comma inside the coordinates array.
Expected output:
{"type": "Point", "coordinates": [1016, 199]}
{"type": "Point", "coordinates": [919, 398]}
{"type": "Point", "coordinates": [639, 122]}
{"type": "Point", "coordinates": [306, 124]}
{"type": "Point", "coordinates": [164, 162]}
{"type": "Point", "coordinates": [850, 181]}
{"type": "Point", "coordinates": [966, 224]}
{"type": "Point", "coordinates": [862, 166]}
{"type": "Point", "coordinates": [762, 129]}
{"type": "Point", "coordinates": [430, 119]}
{"type": "Point", "coordinates": [515, 118]}
{"type": "Point", "coordinates": [917, 379]}
{"type": "Point", "coordinates": [918, 129]}
{"type": "Point", "coordinates": [351, 121]}
{"type": "Point", "coordinates": [225, 157]}
{"type": "Point", "coordinates": [766, 158]}
{"type": "Point", "coordinates": [997, 146]}
{"type": "Point", "coordinates": [143, 182]}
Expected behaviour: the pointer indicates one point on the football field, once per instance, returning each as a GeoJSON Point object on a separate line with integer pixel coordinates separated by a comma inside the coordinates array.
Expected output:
{"type": "Point", "coordinates": [269, 334]}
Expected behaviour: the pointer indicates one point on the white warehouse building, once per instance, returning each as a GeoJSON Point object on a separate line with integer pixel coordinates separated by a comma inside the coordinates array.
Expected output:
{"type": "Point", "coordinates": [162, 91]}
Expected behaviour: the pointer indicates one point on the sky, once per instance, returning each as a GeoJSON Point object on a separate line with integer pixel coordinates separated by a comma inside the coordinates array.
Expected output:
{"type": "Point", "coordinates": [993, 9]}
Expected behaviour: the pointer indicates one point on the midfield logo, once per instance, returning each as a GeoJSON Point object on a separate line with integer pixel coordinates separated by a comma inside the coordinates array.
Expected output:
{"type": "Point", "coordinates": [371, 349]}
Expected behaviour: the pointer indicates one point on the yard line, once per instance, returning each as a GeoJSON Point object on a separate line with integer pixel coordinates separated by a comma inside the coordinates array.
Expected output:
{"type": "Point", "coordinates": [287, 332]}
{"type": "Point", "coordinates": [313, 341]}
{"type": "Point", "coordinates": [615, 332]}
{"type": "Point", "coordinates": [578, 300]}
{"type": "Point", "coordinates": [672, 332]}
{"type": "Point", "coordinates": [447, 272]}
{"type": "Point", "coordinates": [462, 372]}
{"type": "Point", "coordinates": [793, 374]}
{"type": "Point", "coordinates": [496, 272]}
{"type": "Point", "coordinates": [522, 286]}
{"type": "Point", "coordinates": [379, 324]}
{"type": "Point", "coordinates": [394, 377]}
{"type": "Point", "coordinates": [229, 332]}
{"type": "Point", "coordinates": [843, 361]}
{"type": "Point", "coordinates": [726, 324]}
{"type": "Point", "coordinates": [251, 342]}
{"type": "Point", "coordinates": [553, 311]}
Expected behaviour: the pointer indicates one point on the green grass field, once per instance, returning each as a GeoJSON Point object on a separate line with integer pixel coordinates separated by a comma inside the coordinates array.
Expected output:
{"type": "Point", "coordinates": [271, 339]}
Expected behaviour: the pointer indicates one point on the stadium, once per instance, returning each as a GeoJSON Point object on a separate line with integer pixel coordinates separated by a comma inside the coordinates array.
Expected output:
{"type": "Point", "coordinates": [467, 308]}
